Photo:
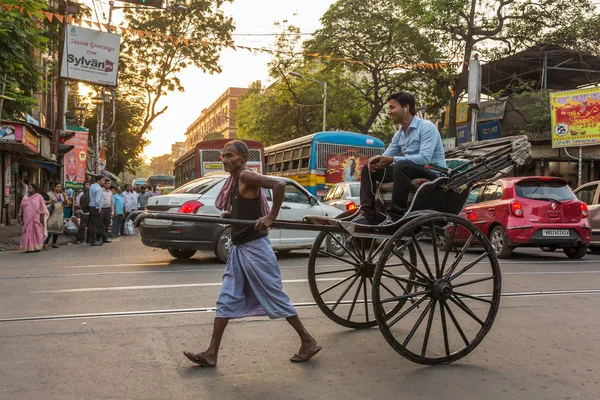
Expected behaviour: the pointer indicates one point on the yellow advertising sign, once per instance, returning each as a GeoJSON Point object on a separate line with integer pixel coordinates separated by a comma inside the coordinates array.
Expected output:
{"type": "Point", "coordinates": [575, 118]}
{"type": "Point", "coordinates": [462, 113]}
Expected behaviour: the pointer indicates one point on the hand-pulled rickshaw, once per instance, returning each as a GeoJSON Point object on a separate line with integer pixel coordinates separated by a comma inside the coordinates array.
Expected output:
{"type": "Point", "coordinates": [431, 281]}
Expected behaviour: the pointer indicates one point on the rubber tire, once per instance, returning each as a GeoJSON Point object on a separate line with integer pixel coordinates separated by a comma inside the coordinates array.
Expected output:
{"type": "Point", "coordinates": [576, 253]}
{"type": "Point", "coordinates": [506, 250]}
{"type": "Point", "coordinates": [182, 254]}
{"type": "Point", "coordinates": [548, 249]}
{"type": "Point", "coordinates": [330, 245]}
{"type": "Point", "coordinates": [220, 248]}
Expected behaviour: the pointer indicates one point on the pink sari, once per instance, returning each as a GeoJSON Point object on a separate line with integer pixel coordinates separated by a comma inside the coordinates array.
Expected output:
{"type": "Point", "coordinates": [34, 210]}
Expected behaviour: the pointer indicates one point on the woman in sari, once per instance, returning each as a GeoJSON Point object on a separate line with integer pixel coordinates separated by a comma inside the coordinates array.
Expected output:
{"type": "Point", "coordinates": [33, 216]}
{"type": "Point", "coordinates": [56, 222]}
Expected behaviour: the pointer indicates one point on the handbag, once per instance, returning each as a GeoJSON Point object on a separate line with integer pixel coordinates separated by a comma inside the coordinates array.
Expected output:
{"type": "Point", "coordinates": [129, 228]}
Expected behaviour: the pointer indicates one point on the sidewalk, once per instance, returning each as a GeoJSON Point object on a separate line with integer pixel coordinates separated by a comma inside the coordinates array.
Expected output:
{"type": "Point", "coordinates": [10, 237]}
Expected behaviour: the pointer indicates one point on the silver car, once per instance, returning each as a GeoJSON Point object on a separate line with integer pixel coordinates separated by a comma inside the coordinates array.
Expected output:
{"type": "Point", "coordinates": [183, 239]}
{"type": "Point", "coordinates": [589, 193]}
{"type": "Point", "coordinates": [344, 196]}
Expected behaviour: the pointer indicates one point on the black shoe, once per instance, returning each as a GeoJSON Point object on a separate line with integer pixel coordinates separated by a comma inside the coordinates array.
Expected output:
{"type": "Point", "coordinates": [388, 221]}
{"type": "Point", "coordinates": [106, 241]}
{"type": "Point", "coordinates": [96, 244]}
{"type": "Point", "coordinates": [362, 220]}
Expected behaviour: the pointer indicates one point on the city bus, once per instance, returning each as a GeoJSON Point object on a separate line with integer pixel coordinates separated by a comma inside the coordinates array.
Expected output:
{"type": "Point", "coordinates": [136, 183]}
{"type": "Point", "coordinates": [319, 160]}
{"type": "Point", "coordinates": [165, 182]}
{"type": "Point", "coordinates": [204, 157]}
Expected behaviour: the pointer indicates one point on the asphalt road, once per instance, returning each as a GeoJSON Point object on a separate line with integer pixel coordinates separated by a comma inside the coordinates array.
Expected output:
{"type": "Point", "coordinates": [111, 322]}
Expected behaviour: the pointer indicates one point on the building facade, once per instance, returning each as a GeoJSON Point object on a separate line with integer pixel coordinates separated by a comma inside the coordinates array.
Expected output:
{"type": "Point", "coordinates": [217, 121]}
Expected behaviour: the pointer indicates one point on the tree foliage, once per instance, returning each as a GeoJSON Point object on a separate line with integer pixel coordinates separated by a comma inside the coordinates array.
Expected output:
{"type": "Point", "coordinates": [22, 39]}
{"type": "Point", "coordinates": [151, 67]}
{"type": "Point", "coordinates": [492, 28]}
{"type": "Point", "coordinates": [161, 165]}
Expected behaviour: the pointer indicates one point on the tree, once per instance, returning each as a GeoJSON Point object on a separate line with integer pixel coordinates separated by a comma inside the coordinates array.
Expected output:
{"type": "Point", "coordinates": [377, 34]}
{"type": "Point", "coordinates": [161, 165]}
{"type": "Point", "coordinates": [22, 39]}
{"type": "Point", "coordinates": [151, 66]}
{"type": "Point", "coordinates": [493, 28]}
{"type": "Point", "coordinates": [582, 35]}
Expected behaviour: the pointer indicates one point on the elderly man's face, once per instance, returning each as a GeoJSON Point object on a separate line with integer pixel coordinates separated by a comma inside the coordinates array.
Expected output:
{"type": "Point", "coordinates": [232, 159]}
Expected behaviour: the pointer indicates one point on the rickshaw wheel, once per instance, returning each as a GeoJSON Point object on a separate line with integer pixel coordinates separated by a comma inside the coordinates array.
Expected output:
{"type": "Point", "coordinates": [458, 297]}
{"type": "Point", "coordinates": [341, 284]}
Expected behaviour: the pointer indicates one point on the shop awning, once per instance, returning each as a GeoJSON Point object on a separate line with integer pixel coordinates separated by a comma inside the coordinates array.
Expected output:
{"type": "Point", "coordinates": [47, 165]}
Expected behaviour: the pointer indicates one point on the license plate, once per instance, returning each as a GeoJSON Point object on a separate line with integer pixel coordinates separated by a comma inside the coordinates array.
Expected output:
{"type": "Point", "coordinates": [555, 232]}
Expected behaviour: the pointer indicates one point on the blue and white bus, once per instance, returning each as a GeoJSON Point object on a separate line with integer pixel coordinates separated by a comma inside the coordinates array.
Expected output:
{"type": "Point", "coordinates": [321, 159]}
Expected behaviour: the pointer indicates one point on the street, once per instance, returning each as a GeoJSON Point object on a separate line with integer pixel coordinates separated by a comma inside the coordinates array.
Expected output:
{"type": "Point", "coordinates": [111, 322]}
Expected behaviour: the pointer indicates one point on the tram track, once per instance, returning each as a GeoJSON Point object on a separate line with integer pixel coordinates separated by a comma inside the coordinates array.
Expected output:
{"type": "Point", "coordinates": [212, 309]}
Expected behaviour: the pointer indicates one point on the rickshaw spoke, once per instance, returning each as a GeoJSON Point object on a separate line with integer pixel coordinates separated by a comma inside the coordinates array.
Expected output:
{"type": "Point", "coordinates": [456, 324]}
{"type": "Point", "coordinates": [345, 248]}
{"type": "Point", "coordinates": [428, 330]}
{"type": "Point", "coordinates": [473, 282]}
{"type": "Point", "coordinates": [378, 249]}
{"type": "Point", "coordinates": [366, 299]}
{"type": "Point", "coordinates": [337, 257]}
{"type": "Point", "coordinates": [408, 310]}
{"type": "Point", "coordinates": [435, 251]}
{"type": "Point", "coordinates": [445, 331]}
{"type": "Point", "coordinates": [473, 297]}
{"type": "Point", "coordinates": [406, 296]}
{"type": "Point", "coordinates": [412, 268]}
{"type": "Point", "coordinates": [388, 290]}
{"type": "Point", "coordinates": [418, 323]}
{"type": "Point", "coordinates": [468, 267]}
{"type": "Point", "coordinates": [401, 279]}
{"type": "Point", "coordinates": [344, 294]}
{"type": "Point", "coordinates": [354, 300]}
{"type": "Point", "coordinates": [371, 247]}
{"type": "Point", "coordinates": [335, 272]}
{"type": "Point", "coordinates": [460, 255]}
{"type": "Point", "coordinates": [337, 284]}
{"type": "Point", "coordinates": [420, 251]}
{"type": "Point", "coordinates": [448, 248]}
{"type": "Point", "coordinates": [465, 308]}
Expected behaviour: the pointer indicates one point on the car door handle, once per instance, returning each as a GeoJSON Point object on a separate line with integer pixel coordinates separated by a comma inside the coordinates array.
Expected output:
{"type": "Point", "coordinates": [286, 207]}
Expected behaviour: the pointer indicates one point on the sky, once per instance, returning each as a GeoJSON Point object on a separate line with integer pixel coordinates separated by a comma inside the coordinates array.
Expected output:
{"type": "Point", "coordinates": [239, 68]}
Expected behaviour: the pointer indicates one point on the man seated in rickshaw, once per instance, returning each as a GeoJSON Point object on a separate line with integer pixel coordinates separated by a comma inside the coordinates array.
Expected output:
{"type": "Point", "coordinates": [416, 144]}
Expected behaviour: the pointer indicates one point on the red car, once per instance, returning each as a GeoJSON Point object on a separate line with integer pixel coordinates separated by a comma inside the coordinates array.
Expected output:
{"type": "Point", "coordinates": [529, 211]}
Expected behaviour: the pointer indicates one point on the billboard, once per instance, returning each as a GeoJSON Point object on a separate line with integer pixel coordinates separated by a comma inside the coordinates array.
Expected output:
{"type": "Point", "coordinates": [463, 133]}
{"type": "Point", "coordinates": [575, 117]}
{"type": "Point", "coordinates": [75, 161]}
{"type": "Point", "coordinates": [91, 56]}
{"type": "Point", "coordinates": [462, 114]}
{"type": "Point", "coordinates": [489, 130]}
{"type": "Point", "coordinates": [19, 133]}
{"type": "Point", "coordinates": [343, 168]}
{"type": "Point", "coordinates": [491, 110]}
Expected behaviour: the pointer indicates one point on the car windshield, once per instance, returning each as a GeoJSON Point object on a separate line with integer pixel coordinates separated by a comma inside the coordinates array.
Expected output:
{"type": "Point", "coordinates": [540, 190]}
{"type": "Point", "coordinates": [354, 190]}
{"type": "Point", "coordinates": [199, 186]}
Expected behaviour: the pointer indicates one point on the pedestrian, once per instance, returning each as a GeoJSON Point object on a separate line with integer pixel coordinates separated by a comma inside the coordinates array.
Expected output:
{"type": "Point", "coordinates": [107, 209]}
{"type": "Point", "coordinates": [83, 205]}
{"type": "Point", "coordinates": [143, 198]}
{"type": "Point", "coordinates": [252, 280]}
{"type": "Point", "coordinates": [118, 213]}
{"type": "Point", "coordinates": [130, 198]}
{"type": "Point", "coordinates": [95, 227]}
{"type": "Point", "coordinates": [56, 224]}
{"type": "Point", "coordinates": [155, 191]}
{"type": "Point", "coordinates": [33, 216]}
{"type": "Point", "coordinates": [72, 226]}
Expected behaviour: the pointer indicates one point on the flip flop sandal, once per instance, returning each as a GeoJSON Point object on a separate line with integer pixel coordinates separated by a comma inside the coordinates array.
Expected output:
{"type": "Point", "coordinates": [195, 358]}
{"type": "Point", "coordinates": [306, 356]}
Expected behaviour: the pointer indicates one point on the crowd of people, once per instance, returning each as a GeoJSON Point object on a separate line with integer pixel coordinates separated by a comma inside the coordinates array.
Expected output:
{"type": "Point", "coordinates": [92, 215]}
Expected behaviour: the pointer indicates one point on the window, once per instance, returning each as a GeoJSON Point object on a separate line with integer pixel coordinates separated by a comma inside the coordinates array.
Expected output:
{"type": "Point", "coordinates": [294, 194]}
{"type": "Point", "coordinates": [489, 193]}
{"type": "Point", "coordinates": [544, 190]}
{"type": "Point", "coordinates": [339, 193]}
{"type": "Point", "coordinates": [199, 187]}
{"type": "Point", "coordinates": [474, 195]}
{"type": "Point", "coordinates": [267, 193]}
{"type": "Point", "coordinates": [587, 193]}
{"type": "Point", "coordinates": [354, 190]}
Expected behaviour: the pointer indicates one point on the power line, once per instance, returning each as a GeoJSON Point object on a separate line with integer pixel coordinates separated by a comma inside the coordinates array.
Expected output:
{"type": "Point", "coordinates": [274, 34]}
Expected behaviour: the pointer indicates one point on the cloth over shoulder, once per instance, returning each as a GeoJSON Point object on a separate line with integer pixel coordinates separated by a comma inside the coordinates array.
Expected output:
{"type": "Point", "coordinates": [223, 200]}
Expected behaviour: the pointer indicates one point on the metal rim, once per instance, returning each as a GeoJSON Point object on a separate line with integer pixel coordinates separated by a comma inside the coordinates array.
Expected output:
{"type": "Point", "coordinates": [341, 284]}
{"type": "Point", "coordinates": [497, 240]}
{"type": "Point", "coordinates": [459, 296]}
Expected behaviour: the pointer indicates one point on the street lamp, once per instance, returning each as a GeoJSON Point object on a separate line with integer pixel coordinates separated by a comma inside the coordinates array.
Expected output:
{"type": "Point", "coordinates": [298, 75]}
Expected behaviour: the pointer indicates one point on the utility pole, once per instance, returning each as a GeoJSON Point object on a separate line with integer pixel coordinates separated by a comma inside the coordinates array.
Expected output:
{"type": "Point", "coordinates": [61, 85]}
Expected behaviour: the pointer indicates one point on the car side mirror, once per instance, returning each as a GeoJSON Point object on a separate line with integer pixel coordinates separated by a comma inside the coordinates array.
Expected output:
{"type": "Point", "coordinates": [313, 201]}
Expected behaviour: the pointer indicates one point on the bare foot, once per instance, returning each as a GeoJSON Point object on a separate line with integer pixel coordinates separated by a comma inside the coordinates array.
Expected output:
{"type": "Point", "coordinates": [308, 349]}
{"type": "Point", "coordinates": [202, 359]}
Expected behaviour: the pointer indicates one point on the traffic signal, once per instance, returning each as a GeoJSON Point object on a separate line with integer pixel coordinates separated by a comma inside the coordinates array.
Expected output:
{"type": "Point", "coordinates": [63, 147]}
{"type": "Point", "coordinates": [149, 3]}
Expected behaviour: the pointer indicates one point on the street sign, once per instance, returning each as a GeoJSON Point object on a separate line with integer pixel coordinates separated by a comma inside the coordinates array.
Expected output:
{"type": "Point", "coordinates": [575, 117]}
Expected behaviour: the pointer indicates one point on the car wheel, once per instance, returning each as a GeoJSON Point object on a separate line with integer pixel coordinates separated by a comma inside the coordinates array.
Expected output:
{"type": "Point", "coordinates": [499, 242]}
{"type": "Point", "coordinates": [576, 252]}
{"type": "Point", "coordinates": [223, 246]}
{"type": "Point", "coordinates": [334, 247]}
{"type": "Point", "coordinates": [182, 254]}
{"type": "Point", "coordinates": [548, 249]}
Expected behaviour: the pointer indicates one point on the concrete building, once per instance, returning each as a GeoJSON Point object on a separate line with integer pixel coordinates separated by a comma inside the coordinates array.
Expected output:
{"type": "Point", "coordinates": [217, 121]}
{"type": "Point", "coordinates": [177, 150]}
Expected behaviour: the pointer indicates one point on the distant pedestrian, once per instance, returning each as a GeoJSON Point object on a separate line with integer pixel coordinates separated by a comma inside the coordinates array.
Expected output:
{"type": "Point", "coordinates": [107, 209]}
{"type": "Point", "coordinates": [95, 227]}
{"type": "Point", "coordinates": [155, 191]}
{"type": "Point", "coordinates": [130, 197]}
{"type": "Point", "coordinates": [143, 199]}
{"type": "Point", "coordinates": [33, 216]}
{"type": "Point", "coordinates": [72, 225]}
{"type": "Point", "coordinates": [83, 205]}
{"type": "Point", "coordinates": [118, 213]}
{"type": "Point", "coordinates": [56, 225]}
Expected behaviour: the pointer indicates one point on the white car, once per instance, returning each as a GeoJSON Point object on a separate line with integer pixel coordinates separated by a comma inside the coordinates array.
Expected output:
{"type": "Point", "coordinates": [344, 195]}
{"type": "Point", "coordinates": [183, 239]}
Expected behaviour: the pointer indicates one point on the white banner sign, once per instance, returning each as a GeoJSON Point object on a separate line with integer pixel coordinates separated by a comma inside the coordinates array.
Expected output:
{"type": "Point", "coordinates": [91, 56]}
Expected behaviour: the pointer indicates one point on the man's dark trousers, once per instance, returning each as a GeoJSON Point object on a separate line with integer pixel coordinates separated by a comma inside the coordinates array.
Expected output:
{"type": "Point", "coordinates": [95, 227]}
{"type": "Point", "coordinates": [401, 173]}
{"type": "Point", "coordinates": [106, 214]}
{"type": "Point", "coordinates": [83, 225]}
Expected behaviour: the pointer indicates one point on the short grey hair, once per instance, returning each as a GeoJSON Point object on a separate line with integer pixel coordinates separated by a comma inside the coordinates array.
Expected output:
{"type": "Point", "coordinates": [240, 146]}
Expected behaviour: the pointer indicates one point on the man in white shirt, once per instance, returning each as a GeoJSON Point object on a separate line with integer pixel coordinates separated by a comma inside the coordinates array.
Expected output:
{"type": "Point", "coordinates": [131, 200]}
{"type": "Point", "coordinates": [107, 209]}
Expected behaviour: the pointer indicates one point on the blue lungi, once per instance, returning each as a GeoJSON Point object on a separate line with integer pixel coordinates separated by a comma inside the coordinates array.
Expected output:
{"type": "Point", "coordinates": [252, 283]}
